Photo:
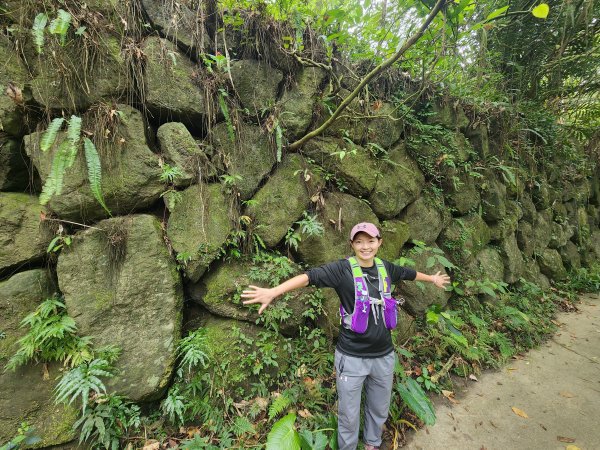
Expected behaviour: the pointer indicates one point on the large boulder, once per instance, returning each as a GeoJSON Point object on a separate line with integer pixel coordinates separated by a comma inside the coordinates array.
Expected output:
{"type": "Point", "coordinates": [540, 193]}
{"type": "Point", "coordinates": [461, 192]}
{"type": "Point", "coordinates": [26, 395]}
{"type": "Point", "coordinates": [424, 218]}
{"type": "Point", "coordinates": [399, 183]}
{"type": "Point", "coordinates": [531, 273]}
{"type": "Point", "coordinates": [525, 239]}
{"type": "Point", "coordinates": [419, 295]}
{"type": "Point", "coordinates": [297, 103]}
{"type": "Point", "coordinates": [464, 238]}
{"type": "Point", "coordinates": [542, 230]}
{"type": "Point", "coordinates": [179, 149]}
{"type": "Point", "coordinates": [339, 214]}
{"type": "Point", "coordinates": [14, 173]}
{"type": "Point", "coordinates": [490, 265]}
{"type": "Point", "coordinates": [395, 234]}
{"type": "Point", "coordinates": [385, 126]}
{"type": "Point", "coordinates": [493, 199]}
{"type": "Point", "coordinates": [14, 92]}
{"type": "Point", "coordinates": [528, 207]}
{"type": "Point", "coordinates": [171, 94]}
{"type": "Point", "coordinates": [256, 85]}
{"type": "Point", "coordinates": [198, 227]}
{"type": "Point", "coordinates": [353, 165]}
{"type": "Point", "coordinates": [350, 124]}
{"type": "Point", "coordinates": [130, 172]}
{"type": "Point", "coordinates": [560, 234]}
{"type": "Point", "coordinates": [24, 238]}
{"type": "Point", "coordinates": [551, 265]}
{"type": "Point", "coordinates": [123, 289]}
{"type": "Point", "coordinates": [228, 344]}
{"type": "Point", "coordinates": [447, 114]}
{"type": "Point", "coordinates": [219, 292]}
{"type": "Point", "coordinates": [479, 139]}
{"type": "Point", "coordinates": [62, 80]}
{"type": "Point", "coordinates": [281, 201]}
{"type": "Point", "coordinates": [570, 256]}
{"type": "Point", "coordinates": [249, 159]}
{"type": "Point", "coordinates": [509, 223]}
{"type": "Point", "coordinates": [512, 258]}
{"type": "Point", "coordinates": [178, 23]}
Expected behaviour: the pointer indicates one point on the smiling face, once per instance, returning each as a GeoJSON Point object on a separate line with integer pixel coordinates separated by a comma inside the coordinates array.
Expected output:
{"type": "Point", "coordinates": [365, 248]}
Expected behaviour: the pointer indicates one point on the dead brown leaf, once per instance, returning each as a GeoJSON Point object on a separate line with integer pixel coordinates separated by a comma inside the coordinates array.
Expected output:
{"type": "Point", "coordinates": [449, 395]}
{"type": "Point", "coordinates": [519, 412]}
{"type": "Point", "coordinates": [15, 93]}
{"type": "Point", "coordinates": [568, 440]}
{"type": "Point", "coordinates": [473, 377]}
{"type": "Point", "coordinates": [305, 413]}
{"type": "Point", "coordinates": [566, 394]}
{"type": "Point", "coordinates": [151, 445]}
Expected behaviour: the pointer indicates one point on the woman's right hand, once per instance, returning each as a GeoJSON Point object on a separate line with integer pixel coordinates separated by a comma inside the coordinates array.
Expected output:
{"type": "Point", "coordinates": [256, 294]}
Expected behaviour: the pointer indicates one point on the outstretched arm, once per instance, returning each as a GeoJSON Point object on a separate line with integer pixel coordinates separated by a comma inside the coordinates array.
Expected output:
{"type": "Point", "coordinates": [265, 296]}
{"type": "Point", "coordinates": [439, 279]}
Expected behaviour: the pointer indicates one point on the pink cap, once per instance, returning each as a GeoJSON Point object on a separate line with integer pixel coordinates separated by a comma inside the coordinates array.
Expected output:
{"type": "Point", "coordinates": [364, 227]}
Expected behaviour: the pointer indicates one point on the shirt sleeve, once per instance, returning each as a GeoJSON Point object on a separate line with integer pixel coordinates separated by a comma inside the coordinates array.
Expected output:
{"type": "Point", "coordinates": [327, 275]}
{"type": "Point", "coordinates": [398, 273]}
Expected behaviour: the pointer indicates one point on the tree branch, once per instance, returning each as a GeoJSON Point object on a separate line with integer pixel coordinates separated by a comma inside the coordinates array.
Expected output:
{"type": "Point", "coordinates": [376, 71]}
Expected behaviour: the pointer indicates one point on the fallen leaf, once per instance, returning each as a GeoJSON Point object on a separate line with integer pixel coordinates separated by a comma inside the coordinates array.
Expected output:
{"type": "Point", "coordinates": [150, 445]}
{"type": "Point", "coordinates": [450, 396]}
{"type": "Point", "coordinates": [566, 394]}
{"type": "Point", "coordinates": [568, 440]}
{"type": "Point", "coordinates": [305, 413]}
{"type": "Point", "coordinates": [512, 368]}
{"type": "Point", "coordinates": [519, 412]}
{"type": "Point", "coordinates": [572, 447]}
{"type": "Point", "coordinates": [473, 377]}
{"type": "Point", "coordinates": [15, 93]}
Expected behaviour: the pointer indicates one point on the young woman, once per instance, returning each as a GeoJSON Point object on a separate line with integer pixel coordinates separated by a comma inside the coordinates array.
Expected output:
{"type": "Point", "coordinates": [364, 355]}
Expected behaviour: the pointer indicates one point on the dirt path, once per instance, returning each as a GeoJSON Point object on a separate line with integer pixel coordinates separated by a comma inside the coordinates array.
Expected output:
{"type": "Point", "coordinates": [557, 386]}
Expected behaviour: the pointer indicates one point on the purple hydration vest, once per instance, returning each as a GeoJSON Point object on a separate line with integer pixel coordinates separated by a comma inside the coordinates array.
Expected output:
{"type": "Point", "coordinates": [363, 304]}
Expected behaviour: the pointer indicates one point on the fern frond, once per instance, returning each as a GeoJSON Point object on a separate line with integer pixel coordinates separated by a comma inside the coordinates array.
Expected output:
{"type": "Point", "coordinates": [73, 136]}
{"type": "Point", "coordinates": [60, 25]}
{"type": "Point", "coordinates": [94, 171]}
{"type": "Point", "coordinates": [225, 111]}
{"type": "Point", "coordinates": [78, 382]}
{"type": "Point", "coordinates": [49, 136]}
{"type": "Point", "coordinates": [53, 184]}
{"type": "Point", "coordinates": [242, 426]}
{"type": "Point", "coordinates": [39, 24]}
{"type": "Point", "coordinates": [279, 405]}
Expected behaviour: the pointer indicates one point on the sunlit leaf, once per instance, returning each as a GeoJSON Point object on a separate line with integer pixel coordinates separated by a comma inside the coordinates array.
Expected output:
{"type": "Point", "coordinates": [519, 412]}
{"type": "Point", "coordinates": [541, 11]}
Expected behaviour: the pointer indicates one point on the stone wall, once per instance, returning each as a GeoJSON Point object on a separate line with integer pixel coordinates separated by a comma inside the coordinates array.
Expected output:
{"type": "Point", "coordinates": [125, 278]}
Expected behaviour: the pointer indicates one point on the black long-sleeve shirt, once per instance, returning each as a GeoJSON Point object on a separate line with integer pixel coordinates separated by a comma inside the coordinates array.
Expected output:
{"type": "Point", "coordinates": [376, 341]}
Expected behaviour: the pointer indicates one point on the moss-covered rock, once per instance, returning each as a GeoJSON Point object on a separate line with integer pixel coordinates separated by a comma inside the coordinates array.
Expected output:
{"type": "Point", "coordinates": [340, 213]}
{"type": "Point", "coordinates": [542, 230]}
{"type": "Point", "coordinates": [25, 394]}
{"type": "Point", "coordinates": [256, 85]}
{"type": "Point", "coordinates": [281, 201]}
{"type": "Point", "coordinates": [531, 273]}
{"type": "Point", "coordinates": [592, 253]}
{"type": "Point", "coordinates": [507, 224]}
{"type": "Point", "coordinates": [14, 173]}
{"type": "Point", "coordinates": [493, 199]}
{"type": "Point", "coordinates": [229, 341]}
{"type": "Point", "coordinates": [449, 115]}
{"type": "Point", "coordinates": [130, 172]}
{"type": "Point", "coordinates": [478, 136]}
{"type": "Point", "coordinates": [551, 264]}
{"type": "Point", "coordinates": [385, 127]}
{"type": "Point", "coordinates": [198, 227]}
{"type": "Point", "coordinates": [123, 289]}
{"type": "Point", "coordinates": [424, 219]}
{"type": "Point", "coordinates": [297, 103]}
{"type": "Point", "coordinates": [180, 150]}
{"type": "Point", "coordinates": [489, 261]}
{"type": "Point", "coordinates": [512, 258]}
{"type": "Point", "coordinates": [249, 159]}
{"type": "Point", "coordinates": [330, 319]}
{"type": "Point", "coordinates": [171, 94]}
{"type": "Point", "coordinates": [540, 194]}
{"type": "Point", "coordinates": [461, 192]}
{"type": "Point", "coordinates": [419, 295]}
{"type": "Point", "coordinates": [464, 238]}
{"type": "Point", "coordinates": [525, 239]}
{"type": "Point", "coordinates": [559, 234]}
{"type": "Point", "coordinates": [581, 226]}
{"type": "Point", "coordinates": [353, 165]}
{"type": "Point", "coordinates": [528, 208]}
{"type": "Point", "coordinates": [24, 237]}
{"type": "Point", "coordinates": [63, 81]}
{"type": "Point", "coordinates": [395, 234]}
{"type": "Point", "coordinates": [13, 81]}
{"type": "Point", "coordinates": [219, 292]}
{"type": "Point", "coordinates": [178, 23]}
{"type": "Point", "coordinates": [570, 256]}
{"type": "Point", "coordinates": [405, 328]}
{"type": "Point", "coordinates": [399, 183]}
{"type": "Point", "coordinates": [350, 124]}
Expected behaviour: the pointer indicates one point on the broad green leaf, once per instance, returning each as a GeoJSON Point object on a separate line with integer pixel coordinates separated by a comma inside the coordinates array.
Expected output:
{"type": "Point", "coordinates": [283, 435]}
{"type": "Point", "coordinates": [416, 399]}
{"type": "Point", "coordinates": [541, 11]}
{"type": "Point", "coordinates": [496, 13]}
